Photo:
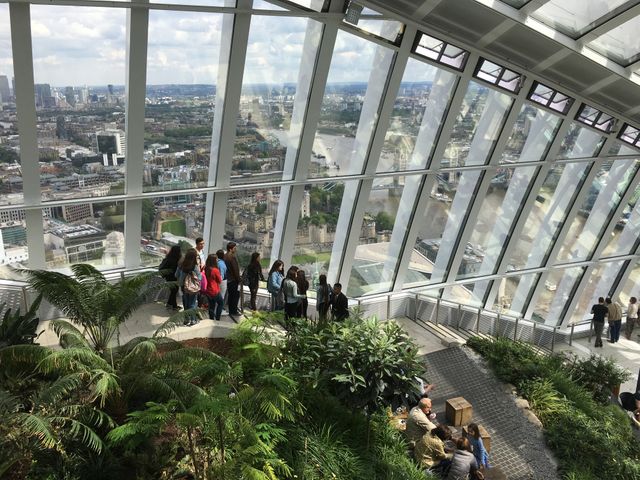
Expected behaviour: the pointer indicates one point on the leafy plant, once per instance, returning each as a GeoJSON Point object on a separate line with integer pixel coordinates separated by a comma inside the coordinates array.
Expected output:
{"type": "Point", "coordinates": [544, 398]}
{"type": "Point", "coordinates": [599, 375]}
{"type": "Point", "coordinates": [16, 329]}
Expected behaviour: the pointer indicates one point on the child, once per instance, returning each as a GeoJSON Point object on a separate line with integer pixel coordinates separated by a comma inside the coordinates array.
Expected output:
{"type": "Point", "coordinates": [482, 457]}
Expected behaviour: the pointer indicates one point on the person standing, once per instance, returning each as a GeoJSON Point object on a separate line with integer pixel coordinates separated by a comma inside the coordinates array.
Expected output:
{"type": "Point", "coordinates": [222, 267]}
{"type": "Point", "coordinates": [303, 287]}
{"type": "Point", "coordinates": [189, 278]}
{"type": "Point", "coordinates": [291, 295]}
{"type": "Point", "coordinates": [167, 269]}
{"type": "Point", "coordinates": [632, 317]}
{"type": "Point", "coordinates": [233, 278]}
{"type": "Point", "coordinates": [614, 312]}
{"type": "Point", "coordinates": [202, 256]}
{"type": "Point", "coordinates": [339, 304]}
{"type": "Point", "coordinates": [211, 283]}
{"type": "Point", "coordinates": [323, 298]}
{"type": "Point", "coordinates": [254, 277]}
{"type": "Point", "coordinates": [274, 285]}
{"type": "Point", "coordinates": [599, 311]}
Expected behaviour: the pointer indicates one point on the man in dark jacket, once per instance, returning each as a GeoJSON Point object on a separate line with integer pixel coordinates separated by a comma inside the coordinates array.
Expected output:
{"type": "Point", "coordinates": [339, 304]}
{"type": "Point", "coordinates": [599, 311]}
{"type": "Point", "coordinates": [233, 278]}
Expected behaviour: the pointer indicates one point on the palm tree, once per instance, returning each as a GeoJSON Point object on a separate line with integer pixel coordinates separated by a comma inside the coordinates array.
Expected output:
{"type": "Point", "coordinates": [92, 303]}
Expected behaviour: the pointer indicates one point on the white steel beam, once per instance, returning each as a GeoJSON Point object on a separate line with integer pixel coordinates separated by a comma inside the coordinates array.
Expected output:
{"type": "Point", "coordinates": [136, 86]}
{"type": "Point", "coordinates": [233, 52]}
{"type": "Point", "coordinates": [531, 6]}
{"type": "Point", "coordinates": [609, 25]}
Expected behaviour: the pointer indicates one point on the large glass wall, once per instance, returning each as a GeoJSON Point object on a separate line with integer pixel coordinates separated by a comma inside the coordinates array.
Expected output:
{"type": "Point", "coordinates": [455, 186]}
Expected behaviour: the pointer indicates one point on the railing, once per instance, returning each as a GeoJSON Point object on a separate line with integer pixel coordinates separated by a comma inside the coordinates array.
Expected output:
{"type": "Point", "coordinates": [419, 307]}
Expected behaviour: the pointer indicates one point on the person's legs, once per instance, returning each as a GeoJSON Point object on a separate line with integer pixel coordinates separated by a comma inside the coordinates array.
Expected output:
{"type": "Point", "coordinates": [219, 302]}
{"type": "Point", "coordinates": [233, 296]}
{"type": "Point", "coordinates": [223, 291]}
{"type": "Point", "coordinates": [631, 323]}
{"type": "Point", "coordinates": [254, 296]}
{"type": "Point", "coordinates": [617, 326]}
{"type": "Point", "coordinates": [598, 328]}
{"type": "Point", "coordinates": [173, 293]}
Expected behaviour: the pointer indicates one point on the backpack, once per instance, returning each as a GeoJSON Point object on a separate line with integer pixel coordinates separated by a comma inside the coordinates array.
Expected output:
{"type": "Point", "coordinates": [191, 283]}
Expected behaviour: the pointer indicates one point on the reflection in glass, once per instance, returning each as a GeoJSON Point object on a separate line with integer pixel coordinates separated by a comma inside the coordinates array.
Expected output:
{"type": "Point", "coordinates": [273, 104]}
{"type": "Point", "coordinates": [547, 215]}
{"type": "Point", "coordinates": [498, 213]}
{"type": "Point", "coordinates": [171, 220]}
{"type": "Point", "coordinates": [554, 297]}
{"type": "Point", "coordinates": [81, 139]}
{"type": "Point", "coordinates": [182, 70]}
{"type": "Point", "coordinates": [10, 172]}
{"type": "Point", "coordinates": [350, 106]}
{"type": "Point", "coordinates": [575, 17]}
{"type": "Point", "coordinates": [626, 233]}
{"type": "Point", "coordinates": [440, 224]}
{"type": "Point", "coordinates": [507, 288]}
{"type": "Point", "coordinates": [631, 286]}
{"type": "Point", "coordinates": [532, 135]}
{"type": "Point", "coordinates": [603, 197]}
{"type": "Point", "coordinates": [580, 142]}
{"type": "Point", "coordinates": [477, 127]}
{"type": "Point", "coordinates": [374, 262]}
{"type": "Point", "coordinates": [469, 294]}
{"type": "Point", "coordinates": [621, 44]}
{"type": "Point", "coordinates": [13, 242]}
{"type": "Point", "coordinates": [600, 283]}
{"type": "Point", "coordinates": [84, 233]}
{"type": "Point", "coordinates": [417, 115]}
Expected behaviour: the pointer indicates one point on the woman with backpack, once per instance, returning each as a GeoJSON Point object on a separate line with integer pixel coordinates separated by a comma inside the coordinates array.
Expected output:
{"type": "Point", "coordinates": [189, 279]}
{"type": "Point", "coordinates": [274, 285]}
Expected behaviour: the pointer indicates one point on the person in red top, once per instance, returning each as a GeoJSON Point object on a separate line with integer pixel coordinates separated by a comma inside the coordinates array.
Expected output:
{"type": "Point", "coordinates": [211, 281]}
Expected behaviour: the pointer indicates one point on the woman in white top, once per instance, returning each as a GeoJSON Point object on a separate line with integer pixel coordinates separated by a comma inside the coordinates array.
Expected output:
{"type": "Point", "coordinates": [632, 316]}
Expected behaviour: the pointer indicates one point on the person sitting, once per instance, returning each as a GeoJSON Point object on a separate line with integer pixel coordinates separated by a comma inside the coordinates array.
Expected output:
{"type": "Point", "coordinates": [631, 402]}
{"type": "Point", "coordinates": [463, 463]}
{"type": "Point", "coordinates": [418, 422]}
{"type": "Point", "coordinates": [479, 452]}
{"type": "Point", "coordinates": [430, 452]}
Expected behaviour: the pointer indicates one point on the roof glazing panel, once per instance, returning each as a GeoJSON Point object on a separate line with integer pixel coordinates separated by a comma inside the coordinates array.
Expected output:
{"type": "Point", "coordinates": [622, 44]}
{"type": "Point", "coordinates": [575, 17]}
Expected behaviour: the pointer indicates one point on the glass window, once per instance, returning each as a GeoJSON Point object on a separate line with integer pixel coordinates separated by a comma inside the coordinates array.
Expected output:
{"type": "Point", "coordinates": [580, 142]}
{"type": "Point", "coordinates": [477, 127]}
{"type": "Point", "coordinates": [631, 286]}
{"type": "Point", "coordinates": [85, 233]}
{"type": "Point", "coordinates": [390, 30]}
{"type": "Point", "coordinates": [630, 135]}
{"type": "Point", "coordinates": [547, 215]}
{"type": "Point", "coordinates": [621, 44]}
{"type": "Point", "coordinates": [349, 111]}
{"type": "Point", "coordinates": [559, 287]}
{"type": "Point", "coordinates": [377, 253]}
{"type": "Point", "coordinates": [499, 211]}
{"type": "Point", "coordinates": [417, 115]}
{"type": "Point", "coordinates": [440, 223]}
{"type": "Point", "coordinates": [532, 135]}
{"type": "Point", "coordinates": [10, 171]}
{"type": "Point", "coordinates": [316, 230]}
{"type": "Point", "coordinates": [619, 149]}
{"type": "Point", "coordinates": [624, 237]}
{"type": "Point", "coordinates": [498, 75]}
{"type": "Point", "coordinates": [440, 51]}
{"type": "Point", "coordinates": [273, 105]}
{"type": "Point", "coordinates": [79, 71]}
{"type": "Point", "coordinates": [182, 70]}
{"type": "Point", "coordinates": [168, 221]}
{"type": "Point", "coordinates": [603, 197]}
{"type": "Point", "coordinates": [575, 17]}
{"type": "Point", "coordinates": [595, 118]}
{"type": "Point", "coordinates": [13, 242]}
{"type": "Point", "coordinates": [600, 283]}
{"type": "Point", "coordinates": [550, 98]}
{"type": "Point", "coordinates": [467, 294]}
{"type": "Point", "coordinates": [513, 294]}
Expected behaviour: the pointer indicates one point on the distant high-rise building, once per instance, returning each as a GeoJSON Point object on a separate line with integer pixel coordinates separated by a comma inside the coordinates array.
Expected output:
{"type": "Point", "coordinates": [5, 93]}
{"type": "Point", "coordinates": [43, 95]}
{"type": "Point", "coordinates": [70, 96]}
{"type": "Point", "coordinates": [111, 142]}
{"type": "Point", "coordinates": [83, 95]}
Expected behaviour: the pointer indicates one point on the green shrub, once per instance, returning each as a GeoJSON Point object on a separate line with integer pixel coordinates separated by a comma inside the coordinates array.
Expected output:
{"type": "Point", "coordinates": [544, 399]}
{"type": "Point", "coordinates": [599, 375]}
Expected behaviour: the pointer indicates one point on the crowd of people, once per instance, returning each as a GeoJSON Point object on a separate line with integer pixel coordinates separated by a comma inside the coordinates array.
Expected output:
{"type": "Point", "coordinates": [435, 449]}
{"type": "Point", "coordinates": [611, 311]}
{"type": "Point", "coordinates": [215, 280]}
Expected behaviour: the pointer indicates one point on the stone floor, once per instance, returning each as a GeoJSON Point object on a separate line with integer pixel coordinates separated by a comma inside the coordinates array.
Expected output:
{"type": "Point", "coordinates": [517, 446]}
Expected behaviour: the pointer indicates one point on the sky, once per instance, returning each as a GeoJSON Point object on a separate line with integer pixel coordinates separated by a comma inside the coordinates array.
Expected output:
{"type": "Point", "coordinates": [87, 46]}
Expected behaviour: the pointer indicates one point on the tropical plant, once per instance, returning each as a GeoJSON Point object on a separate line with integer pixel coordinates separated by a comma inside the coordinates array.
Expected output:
{"type": "Point", "coordinates": [90, 301]}
{"type": "Point", "coordinates": [599, 375]}
{"type": "Point", "coordinates": [16, 328]}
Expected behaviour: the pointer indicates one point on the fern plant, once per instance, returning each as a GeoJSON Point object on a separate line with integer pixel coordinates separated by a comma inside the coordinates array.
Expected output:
{"type": "Point", "coordinates": [16, 329]}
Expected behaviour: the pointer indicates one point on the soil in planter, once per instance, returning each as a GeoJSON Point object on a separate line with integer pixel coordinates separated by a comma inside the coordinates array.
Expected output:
{"type": "Point", "coordinates": [220, 346]}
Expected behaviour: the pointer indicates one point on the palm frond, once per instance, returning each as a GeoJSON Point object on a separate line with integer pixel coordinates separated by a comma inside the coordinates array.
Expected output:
{"type": "Point", "coordinates": [68, 334]}
{"type": "Point", "coordinates": [71, 360]}
{"type": "Point", "coordinates": [105, 385]}
{"type": "Point", "coordinates": [140, 356]}
{"type": "Point", "coordinates": [81, 432]}
{"type": "Point", "coordinates": [39, 428]}
{"type": "Point", "coordinates": [9, 403]}
{"type": "Point", "coordinates": [60, 388]}
{"type": "Point", "coordinates": [17, 357]}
